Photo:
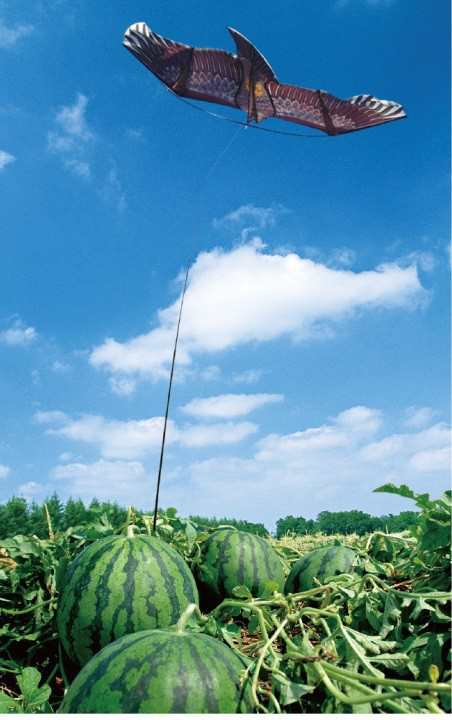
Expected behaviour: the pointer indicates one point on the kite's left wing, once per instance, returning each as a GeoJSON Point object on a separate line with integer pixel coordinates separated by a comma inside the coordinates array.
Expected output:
{"type": "Point", "coordinates": [198, 73]}
{"type": "Point", "coordinates": [319, 109]}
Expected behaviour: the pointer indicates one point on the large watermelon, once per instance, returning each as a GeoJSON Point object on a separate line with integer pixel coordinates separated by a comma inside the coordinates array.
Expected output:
{"type": "Point", "coordinates": [231, 558]}
{"type": "Point", "coordinates": [322, 563]}
{"type": "Point", "coordinates": [161, 671]}
{"type": "Point", "coordinates": [120, 585]}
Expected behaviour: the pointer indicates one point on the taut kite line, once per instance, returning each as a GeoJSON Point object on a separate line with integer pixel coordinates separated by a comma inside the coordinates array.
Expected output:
{"type": "Point", "coordinates": [246, 81]}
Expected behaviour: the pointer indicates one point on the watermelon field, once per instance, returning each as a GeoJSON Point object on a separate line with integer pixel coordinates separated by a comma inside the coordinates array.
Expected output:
{"type": "Point", "coordinates": [105, 617]}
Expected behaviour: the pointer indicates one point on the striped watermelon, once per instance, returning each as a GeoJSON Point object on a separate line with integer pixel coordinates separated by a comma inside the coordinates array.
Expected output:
{"type": "Point", "coordinates": [120, 585]}
{"type": "Point", "coordinates": [231, 558]}
{"type": "Point", "coordinates": [161, 671]}
{"type": "Point", "coordinates": [322, 563]}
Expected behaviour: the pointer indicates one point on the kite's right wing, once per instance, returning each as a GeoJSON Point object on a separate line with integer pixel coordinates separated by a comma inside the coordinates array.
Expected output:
{"type": "Point", "coordinates": [201, 74]}
{"type": "Point", "coordinates": [319, 109]}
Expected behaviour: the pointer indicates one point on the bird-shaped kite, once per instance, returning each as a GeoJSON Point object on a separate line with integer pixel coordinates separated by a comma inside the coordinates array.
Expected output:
{"type": "Point", "coordinates": [247, 81]}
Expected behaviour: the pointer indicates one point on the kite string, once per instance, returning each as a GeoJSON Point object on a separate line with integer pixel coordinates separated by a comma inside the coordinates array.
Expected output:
{"type": "Point", "coordinates": [223, 153]}
{"type": "Point", "coordinates": [168, 398]}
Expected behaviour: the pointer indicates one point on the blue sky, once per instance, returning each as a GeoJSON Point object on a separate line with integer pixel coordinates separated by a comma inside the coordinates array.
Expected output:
{"type": "Point", "coordinates": [314, 351]}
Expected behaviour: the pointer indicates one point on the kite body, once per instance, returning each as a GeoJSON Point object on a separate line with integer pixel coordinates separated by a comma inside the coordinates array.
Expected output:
{"type": "Point", "coordinates": [247, 81]}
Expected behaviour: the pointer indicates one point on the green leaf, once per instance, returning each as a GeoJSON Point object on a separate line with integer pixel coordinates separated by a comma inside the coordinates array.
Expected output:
{"type": "Point", "coordinates": [7, 703]}
{"type": "Point", "coordinates": [232, 629]}
{"type": "Point", "coordinates": [39, 696]}
{"type": "Point", "coordinates": [290, 692]}
{"type": "Point", "coordinates": [28, 681]}
{"type": "Point", "coordinates": [422, 501]}
{"type": "Point", "coordinates": [242, 592]}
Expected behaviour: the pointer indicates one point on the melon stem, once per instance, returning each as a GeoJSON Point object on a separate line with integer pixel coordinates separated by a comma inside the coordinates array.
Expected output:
{"type": "Point", "coordinates": [189, 611]}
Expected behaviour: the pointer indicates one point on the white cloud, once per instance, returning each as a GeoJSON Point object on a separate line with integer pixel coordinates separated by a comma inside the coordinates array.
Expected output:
{"type": "Point", "coordinates": [328, 467]}
{"type": "Point", "coordinates": [248, 295]}
{"type": "Point", "coordinates": [10, 35]}
{"type": "Point", "coordinates": [228, 406]}
{"type": "Point", "coordinates": [30, 490]}
{"type": "Point", "coordinates": [72, 119]}
{"type": "Point", "coordinates": [80, 150]}
{"type": "Point", "coordinates": [5, 159]}
{"type": "Point", "coordinates": [432, 460]}
{"type": "Point", "coordinates": [18, 335]}
{"type": "Point", "coordinates": [123, 386]}
{"type": "Point", "coordinates": [126, 482]}
{"type": "Point", "coordinates": [407, 445]}
{"type": "Point", "coordinates": [247, 377]}
{"type": "Point", "coordinates": [259, 217]}
{"type": "Point", "coordinates": [71, 137]}
{"type": "Point", "coordinates": [346, 430]}
{"type": "Point", "coordinates": [4, 471]}
{"type": "Point", "coordinates": [418, 417]}
{"type": "Point", "coordinates": [342, 257]}
{"type": "Point", "coordinates": [210, 373]}
{"type": "Point", "coordinates": [61, 368]}
{"type": "Point", "coordinates": [134, 439]}
{"type": "Point", "coordinates": [317, 468]}
{"type": "Point", "coordinates": [50, 417]}
{"type": "Point", "coordinates": [197, 436]}
{"type": "Point", "coordinates": [112, 190]}
{"type": "Point", "coordinates": [66, 456]}
{"type": "Point", "coordinates": [129, 439]}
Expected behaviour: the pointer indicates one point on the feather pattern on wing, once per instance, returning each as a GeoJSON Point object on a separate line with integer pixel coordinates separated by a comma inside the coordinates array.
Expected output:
{"type": "Point", "coordinates": [319, 109]}
{"type": "Point", "coordinates": [201, 74]}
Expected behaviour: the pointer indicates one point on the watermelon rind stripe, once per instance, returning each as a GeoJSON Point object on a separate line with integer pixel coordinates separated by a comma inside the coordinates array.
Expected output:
{"type": "Point", "coordinates": [161, 671]}
{"type": "Point", "coordinates": [119, 586]}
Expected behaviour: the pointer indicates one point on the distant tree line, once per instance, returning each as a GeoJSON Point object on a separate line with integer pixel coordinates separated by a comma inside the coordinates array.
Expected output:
{"type": "Point", "coordinates": [18, 517]}
{"type": "Point", "coordinates": [345, 522]}
{"type": "Point", "coordinates": [255, 528]}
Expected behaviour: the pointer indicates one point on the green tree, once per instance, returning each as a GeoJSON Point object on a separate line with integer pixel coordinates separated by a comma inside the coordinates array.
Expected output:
{"type": "Point", "coordinates": [15, 519]}
{"type": "Point", "coordinates": [294, 525]}
{"type": "Point", "coordinates": [55, 509]}
{"type": "Point", "coordinates": [37, 520]}
{"type": "Point", "coordinates": [75, 513]}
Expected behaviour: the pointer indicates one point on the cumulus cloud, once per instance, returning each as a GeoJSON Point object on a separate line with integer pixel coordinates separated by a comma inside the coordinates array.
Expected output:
{"type": "Point", "coordinates": [4, 471]}
{"type": "Point", "coordinates": [197, 436]}
{"type": "Point", "coordinates": [228, 406]}
{"type": "Point", "coordinates": [330, 467]}
{"type": "Point", "coordinates": [248, 295]}
{"type": "Point", "coordinates": [31, 490]}
{"type": "Point", "coordinates": [418, 417]}
{"type": "Point", "coordinates": [435, 437]}
{"type": "Point", "coordinates": [134, 439]}
{"type": "Point", "coordinates": [10, 35]}
{"type": "Point", "coordinates": [343, 431]}
{"type": "Point", "coordinates": [126, 482]}
{"type": "Point", "coordinates": [5, 159]}
{"type": "Point", "coordinates": [432, 460]}
{"type": "Point", "coordinates": [18, 335]}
